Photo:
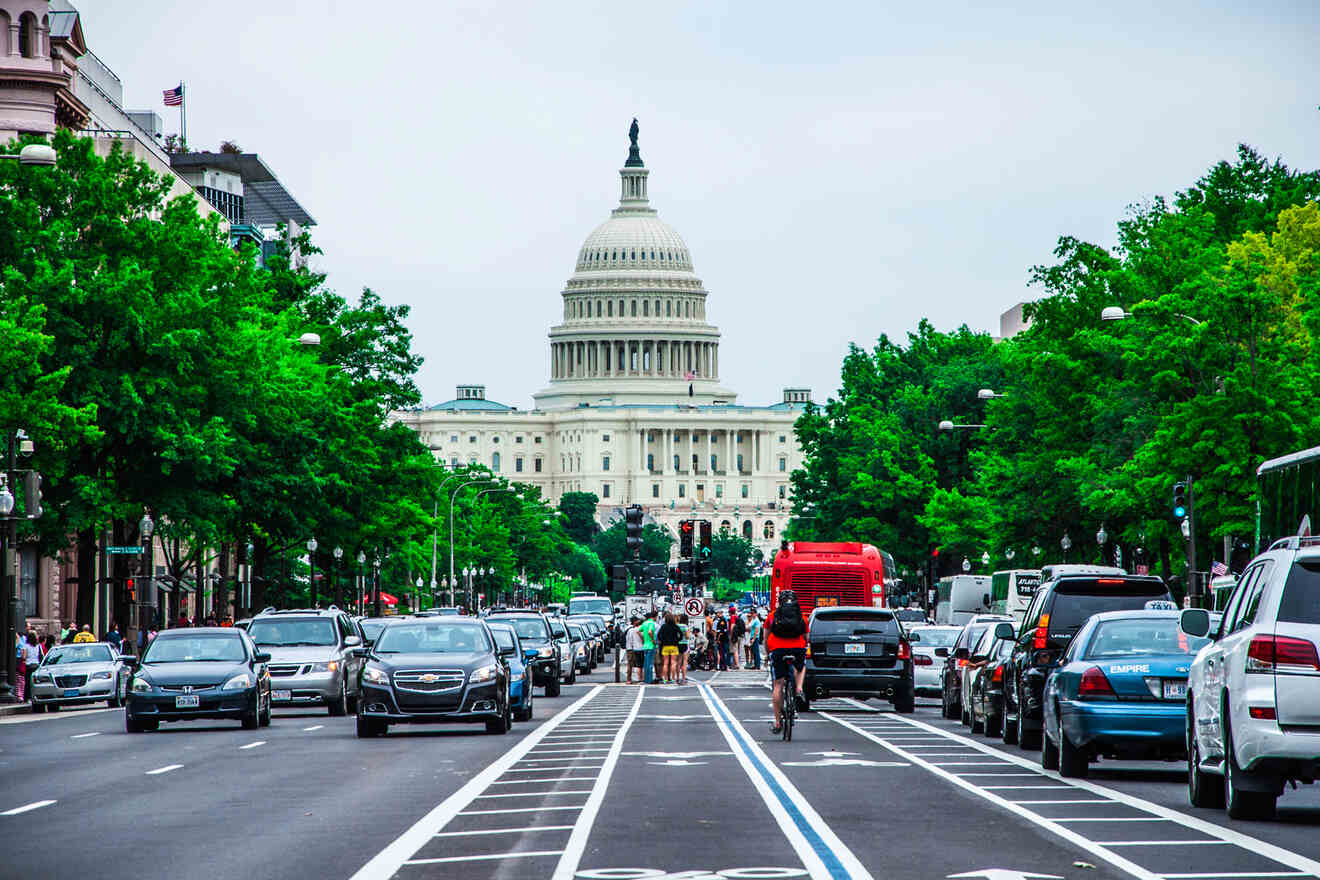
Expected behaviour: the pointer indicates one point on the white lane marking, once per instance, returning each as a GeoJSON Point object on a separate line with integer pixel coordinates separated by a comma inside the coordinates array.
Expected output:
{"type": "Point", "coordinates": [85, 735]}
{"type": "Point", "coordinates": [533, 793]}
{"type": "Point", "coordinates": [65, 715]}
{"type": "Point", "coordinates": [1024, 787]}
{"type": "Point", "coordinates": [567, 751]}
{"type": "Point", "coordinates": [548, 769]}
{"type": "Point", "coordinates": [752, 759]}
{"type": "Point", "coordinates": [505, 830]}
{"type": "Point", "coordinates": [35, 805]}
{"type": "Point", "coordinates": [1108, 819]}
{"type": "Point", "coordinates": [549, 779]}
{"type": "Point", "coordinates": [314, 727]}
{"type": "Point", "coordinates": [1252, 844]}
{"type": "Point", "coordinates": [1237, 874]}
{"type": "Point", "coordinates": [1067, 834]}
{"type": "Point", "coordinates": [386, 863]}
{"type": "Point", "coordinates": [997, 774]}
{"type": "Point", "coordinates": [1073, 801]}
{"type": "Point", "coordinates": [166, 769]}
{"type": "Point", "coordinates": [487, 857]}
{"type": "Point", "coordinates": [1166, 843]}
{"type": "Point", "coordinates": [514, 810]}
{"type": "Point", "coordinates": [253, 745]}
{"type": "Point", "coordinates": [577, 841]}
{"type": "Point", "coordinates": [596, 760]}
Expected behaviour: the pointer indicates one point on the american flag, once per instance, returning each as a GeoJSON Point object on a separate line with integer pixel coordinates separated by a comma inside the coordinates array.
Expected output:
{"type": "Point", "coordinates": [174, 97]}
{"type": "Point", "coordinates": [1219, 569]}
{"type": "Point", "coordinates": [689, 376]}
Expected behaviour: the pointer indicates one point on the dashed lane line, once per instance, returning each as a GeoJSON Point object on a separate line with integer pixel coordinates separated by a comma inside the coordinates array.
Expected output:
{"type": "Point", "coordinates": [253, 745]}
{"type": "Point", "coordinates": [166, 769]}
{"type": "Point", "coordinates": [35, 805]}
{"type": "Point", "coordinates": [314, 727]}
{"type": "Point", "coordinates": [85, 735]}
{"type": "Point", "coordinates": [487, 857]}
{"type": "Point", "coordinates": [527, 830]}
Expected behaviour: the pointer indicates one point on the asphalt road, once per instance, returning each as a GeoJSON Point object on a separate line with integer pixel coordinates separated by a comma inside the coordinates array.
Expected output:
{"type": "Point", "coordinates": [608, 782]}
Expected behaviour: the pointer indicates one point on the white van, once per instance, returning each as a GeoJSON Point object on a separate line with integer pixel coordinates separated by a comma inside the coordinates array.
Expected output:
{"type": "Point", "coordinates": [960, 597]}
{"type": "Point", "coordinates": [1012, 591]}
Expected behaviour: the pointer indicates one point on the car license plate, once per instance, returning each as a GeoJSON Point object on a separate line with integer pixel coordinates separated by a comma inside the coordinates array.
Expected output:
{"type": "Point", "coordinates": [827, 601]}
{"type": "Point", "coordinates": [1175, 690]}
{"type": "Point", "coordinates": [281, 695]}
{"type": "Point", "coordinates": [854, 649]}
{"type": "Point", "coordinates": [72, 692]}
{"type": "Point", "coordinates": [187, 701]}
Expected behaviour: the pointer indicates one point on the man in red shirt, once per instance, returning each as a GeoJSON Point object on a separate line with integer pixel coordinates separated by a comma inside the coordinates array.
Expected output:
{"type": "Point", "coordinates": [785, 637]}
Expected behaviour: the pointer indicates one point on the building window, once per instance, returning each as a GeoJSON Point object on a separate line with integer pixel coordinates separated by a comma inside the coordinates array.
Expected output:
{"type": "Point", "coordinates": [609, 309]}
{"type": "Point", "coordinates": [472, 439]}
{"type": "Point", "coordinates": [740, 467]}
{"type": "Point", "coordinates": [726, 526]}
{"type": "Point", "coordinates": [783, 464]}
{"type": "Point", "coordinates": [682, 490]}
{"type": "Point", "coordinates": [650, 461]}
{"type": "Point", "coordinates": [495, 439]}
{"type": "Point", "coordinates": [634, 308]}
{"type": "Point", "coordinates": [782, 438]}
{"type": "Point", "coordinates": [604, 490]}
{"type": "Point", "coordinates": [604, 438]}
{"type": "Point", "coordinates": [675, 464]}
{"type": "Point", "coordinates": [453, 438]}
{"type": "Point", "coordinates": [768, 530]}
{"type": "Point", "coordinates": [783, 490]}
{"type": "Point", "coordinates": [495, 462]}
{"type": "Point", "coordinates": [746, 490]}
{"type": "Point", "coordinates": [453, 461]}
{"type": "Point", "coordinates": [747, 529]}
{"type": "Point", "coordinates": [536, 465]}
{"type": "Point", "coordinates": [696, 462]}
{"type": "Point", "coordinates": [537, 439]}
{"type": "Point", "coordinates": [719, 490]}
{"type": "Point", "coordinates": [518, 439]}
{"type": "Point", "coordinates": [669, 308]}
{"type": "Point", "coordinates": [714, 462]}
{"type": "Point", "coordinates": [646, 308]}
{"type": "Point", "coordinates": [518, 465]}
{"type": "Point", "coordinates": [655, 490]}
{"type": "Point", "coordinates": [605, 463]}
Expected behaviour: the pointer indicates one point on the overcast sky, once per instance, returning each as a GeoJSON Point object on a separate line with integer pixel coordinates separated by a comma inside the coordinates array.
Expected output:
{"type": "Point", "coordinates": [838, 171]}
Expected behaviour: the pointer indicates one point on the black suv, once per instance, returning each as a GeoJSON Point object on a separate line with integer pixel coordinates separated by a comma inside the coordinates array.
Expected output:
{"type": "Point", "coordinates": [1061, 605]}
{"type": "Point", "coordinates": [534, 633]}
{"type": "Point", "coordinates": [858, 652]}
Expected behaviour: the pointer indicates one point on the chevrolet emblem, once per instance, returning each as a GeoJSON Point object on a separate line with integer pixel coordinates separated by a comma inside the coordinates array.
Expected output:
{"type": "Point", "coordinates": [428, 678]}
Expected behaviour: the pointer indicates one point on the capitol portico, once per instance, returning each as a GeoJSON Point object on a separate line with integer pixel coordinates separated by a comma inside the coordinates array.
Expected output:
{"type": "Point", "coordinates": [634, 411]}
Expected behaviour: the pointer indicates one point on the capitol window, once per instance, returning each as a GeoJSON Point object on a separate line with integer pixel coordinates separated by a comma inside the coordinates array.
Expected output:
{"type": "Point", "coordinates": [495, 439]}
{"type": "Point", "coordinates": [655, 490]}
{"type": "Point", "coordinates": [604, 490]}
{"type": "Point", "coordinates": [634, 308]}
{"type": "Point", "coordinates": [472, 438]}
{"type": "Point", "coordinates": [518, 465]}
{"type": "Point", "coordinates": [746, 490]}
{"type": "Point", "coordinates": [769, 530]}
{"type": "Point", "coordinates": [646, 309]}
{"type": "Point", "coordinates": [783, 464]}
{"type": "Point", "coordinates": [719, 490]}
{"type": "Point", "coordinates": [518, 439]}
{"type": "Point", "coordinates": [782, 491]}
{"type": "Point", "coordinates": [495, 462]}
{"type": "Point", "coordinates": [536, 465]}
{"type": "Point", "coordinates": [669, 311]}
{"type": "Point", "coordinates": [604, 438]}
{"type": "Point", "coordinates": [650, 462]}
{"type": "Point", "coordinates": [453, 461]}
{"type": "Point", "coordinates": [538, 438]}
{"type": "Point", "coordinates": [682, 490]}
{"type": "Point", "coordinates": [605, 463]}
{"type": "Point", "coordinates": [609, 309]}
{"type": "Point", "coordinates": [781, 438]}
{"type": "Point", "coordinates": [675, 462]}
{"type": "Point", "coordinates": [453, 438]}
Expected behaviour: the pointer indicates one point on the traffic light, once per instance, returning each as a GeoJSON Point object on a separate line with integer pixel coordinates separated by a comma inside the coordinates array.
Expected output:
{"type": "Point", "coordinates": [685, 539]}
{"type": "Point", "coordinates": [619, 579]}
{"type": "Point", "coordinates": [130, 587]}
{"type": "Point", "coordinates": [705, 539]}
{"type": "Point", "coordinates": [633, 521]}
{"type": "Point", "coordinates": [32, 495]}
{"type": "Point", "coordinates": [685, 571]}
{"type": "Point", "coordinates": [1179, 500]}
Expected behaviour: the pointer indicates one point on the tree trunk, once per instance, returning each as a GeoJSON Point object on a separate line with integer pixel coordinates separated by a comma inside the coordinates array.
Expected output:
{"type": "Point", "coordinates": [86, 576]}
{"type": "Point", "coordinates": [222, 585]}
{"type": "Point", "coordinates": [260, 576]}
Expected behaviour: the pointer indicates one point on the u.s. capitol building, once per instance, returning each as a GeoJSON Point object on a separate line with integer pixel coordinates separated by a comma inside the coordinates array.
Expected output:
{"type": "Point", "coordinates": [634, 411]}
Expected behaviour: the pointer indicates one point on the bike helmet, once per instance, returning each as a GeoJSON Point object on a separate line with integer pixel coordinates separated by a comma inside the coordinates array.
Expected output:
{"type": "Point", "coordinates": [787, 597]}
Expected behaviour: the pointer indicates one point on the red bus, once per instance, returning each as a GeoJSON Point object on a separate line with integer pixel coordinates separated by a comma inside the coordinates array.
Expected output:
{"type": "Point", "coordinates": [829, 574]}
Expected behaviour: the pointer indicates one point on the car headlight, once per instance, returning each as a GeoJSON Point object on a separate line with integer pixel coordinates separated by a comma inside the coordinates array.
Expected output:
{"type": "Point", "coordinates": [141, 685]}
{"type": "Point", "coordinates": [41, 678]}
{"type": "Point", "coordinates": [238, 682]}
{"type": "Point", "coordinates": [485, 673]}
{"type": "Point", "coordinates": [330, 666]}
{"type": "Point", "coordinates": [547, 651]}
{"type": "Point", "coordinates": [100, 675]}
{"type": "Point", "coordinates": [375, 675]}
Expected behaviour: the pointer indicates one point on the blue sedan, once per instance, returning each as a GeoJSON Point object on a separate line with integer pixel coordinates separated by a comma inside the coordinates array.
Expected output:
{"type": "Point", "coordinates": [520, 684]}
{"type": "Point", "coordinates": [1120, 691]}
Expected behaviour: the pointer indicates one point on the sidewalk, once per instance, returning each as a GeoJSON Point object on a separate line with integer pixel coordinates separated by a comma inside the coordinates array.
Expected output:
{"type": "Point", "coordinates": [15, 709]}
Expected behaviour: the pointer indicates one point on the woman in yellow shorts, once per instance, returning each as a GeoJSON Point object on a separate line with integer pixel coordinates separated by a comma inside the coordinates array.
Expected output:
{"type": "Point", "coordinates": [668, 637]}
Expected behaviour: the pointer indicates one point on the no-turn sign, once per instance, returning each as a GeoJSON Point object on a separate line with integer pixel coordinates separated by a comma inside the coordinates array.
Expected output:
{"type": "Point", "coordinates": [694, 607]}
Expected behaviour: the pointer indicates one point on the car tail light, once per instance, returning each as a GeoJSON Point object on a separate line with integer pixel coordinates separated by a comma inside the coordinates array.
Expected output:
{"type": "Point", "coordinates": [1109, 580]}
{"type": "Point", "coordinates": [962, 663]}
{"type": "Point", "coordinates": [1268, 652]}
{"type": "Point", "coordinates": [904, 650]}
{"type": "Point", "coordinates": [1042, 632]}
{"type": "Point", "coordinates": [998, 676]}
{"type": "Point", "coordinates": [808, 649]}
{"type": "Point", "coordinates": [1095, 686]}
{"type": "Point", "coordinates": [922, 660]}
{"type": "Point", "coordinates": [1264, 713]}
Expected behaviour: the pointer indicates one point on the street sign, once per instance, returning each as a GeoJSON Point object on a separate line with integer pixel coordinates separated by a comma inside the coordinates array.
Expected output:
{"type": "Point", "coordinates": [126, 551]}
{"type": "Point", "coordinates": [694, 607]}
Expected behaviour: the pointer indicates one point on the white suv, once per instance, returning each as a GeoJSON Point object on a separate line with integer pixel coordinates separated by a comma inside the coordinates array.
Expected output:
{"type": "Point", "coordinates": [1253, 699]}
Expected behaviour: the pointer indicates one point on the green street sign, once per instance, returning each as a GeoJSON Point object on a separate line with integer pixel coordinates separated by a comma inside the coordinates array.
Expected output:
{"type": "Point", "coordinates": [123, 550]}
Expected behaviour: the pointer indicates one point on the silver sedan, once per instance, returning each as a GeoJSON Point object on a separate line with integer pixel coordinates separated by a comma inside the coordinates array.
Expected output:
{"type": "Point", "coordinates": [80, 673]}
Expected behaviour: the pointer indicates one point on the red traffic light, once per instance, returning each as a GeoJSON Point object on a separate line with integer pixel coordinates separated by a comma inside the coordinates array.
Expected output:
{"type": "Point", "coordinates": [686, 525]}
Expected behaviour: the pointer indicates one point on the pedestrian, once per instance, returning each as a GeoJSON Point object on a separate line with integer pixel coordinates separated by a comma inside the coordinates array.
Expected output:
{"type": "Point", "coordinates": [47, 645]}
{"type": "Point", "coordinates": [632, 642]}
{"type": "Point", "coordinates": [648, 647]}
{"type": "Point", "coordinates": [84, 636]}
{"type": "Point", "coordinates": [668, 637]}
{"type": "Point", "coordinates": [737, 636]}
{"type": "Point", "coordinates": [67, 638]}
{"type": "Point", "coordinates": [183, 619]}
{"type": "Point", "coordinates": [685, 634]}
{"type": "Point", "coordinates": [32, 657]}
{"type": "Point", "coordinates": [20, 656]}
{"type": "Point", "coordinates": [66, 630]}
{"type": "Point", "coordinates": [114, 638]}
{"type": "Point", "coordinates": [722, 640]}
{"type": "Point", "coordinates": [754, 639]}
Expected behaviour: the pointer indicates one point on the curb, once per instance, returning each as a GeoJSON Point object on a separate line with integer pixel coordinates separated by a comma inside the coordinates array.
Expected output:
{"type": "Point", "coordinates": [15, 709]}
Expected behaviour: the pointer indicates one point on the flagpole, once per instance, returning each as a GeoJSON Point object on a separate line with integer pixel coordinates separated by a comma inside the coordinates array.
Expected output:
{"type": "Point", "coordinates": [183, 115]}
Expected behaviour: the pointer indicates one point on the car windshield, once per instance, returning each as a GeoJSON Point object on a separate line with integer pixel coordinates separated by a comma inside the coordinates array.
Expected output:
{"type": "Point", "coordinates": [371, 628]}
{"type": "Point", "coordinates": [932, 637]}
{"type": "Point", "coordinates": [283, 632]}
{"type": "Point", "coordinates": [79, 654]}
{"type": "Point", "coordinates": [208, 648]}
{"type": "Point", "coordinates": [853, 624]}
{"type": "Point", "coordinates": [438, 637]}
{"type": "Point", "coordinates": [1074, 604]}
{"type": "Point", "coordinates": [503, 637]}
{"type": "Point", "coordinates": [528, 627]}
{"type": "Point", "coordinates": [1141, 635]}
{"type": "Point", "coordinates": [590, 605]}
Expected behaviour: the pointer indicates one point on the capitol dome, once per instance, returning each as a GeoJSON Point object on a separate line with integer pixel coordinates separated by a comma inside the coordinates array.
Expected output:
{"type": "Point", "coordinates": [634, 323]}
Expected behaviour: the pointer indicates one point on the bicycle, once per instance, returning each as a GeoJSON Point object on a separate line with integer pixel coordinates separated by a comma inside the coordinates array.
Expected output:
{"type": "Point", "coordinates": [788, 711]}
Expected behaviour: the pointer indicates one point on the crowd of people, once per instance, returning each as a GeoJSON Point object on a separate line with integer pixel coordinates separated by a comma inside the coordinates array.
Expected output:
{"type": "Point", "coordinates": [662, 646]}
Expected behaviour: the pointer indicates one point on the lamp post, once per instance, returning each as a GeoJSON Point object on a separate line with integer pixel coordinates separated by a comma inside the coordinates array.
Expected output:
{"type": "Point", "coordinates": [1066, 543]}
{"type": "Point", "coordinates": [453, 496]}
{"type": "Point", "coordinates": [334, 588]}
{"type": "Point", "coordinates": [360, 600]}
{"type": "Point", "coordinates": [311, 560]}
{"type": "Point", "coordinates": [1118, 313]}
{"type": "Point", "coordinates": [1101, 539]}
{"type": "Point", "coordinates": [145, 529]}
{"type": "Point", "coordinates": [375, 565]}
{"type": "Point", "coordinates": [8, 636]}
{"type": "Point", "coordinates": [966, 564]}
{"type": "Point", "coordinates": [417, 594]}
{"type": "Point", "coordinates": [985, 558]}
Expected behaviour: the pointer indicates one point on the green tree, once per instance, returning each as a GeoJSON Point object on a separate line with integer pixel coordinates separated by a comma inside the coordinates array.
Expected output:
{"type": "Point", "coordinates": [732, 557]}
{"type": "Point", "coordinates": [611, 545]}
{"type": "Point", "coordinates": [579, 510]}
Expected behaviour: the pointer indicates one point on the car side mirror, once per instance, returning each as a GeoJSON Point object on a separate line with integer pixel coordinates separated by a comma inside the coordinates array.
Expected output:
{"type": "Point", "coordinates": [1195, 622]}
{"type": "Point", "coordinates": [914, 637]}
{"type": "Point", "coordinates": [1004, 632]}
{"type": "Point", "coordinates": [361, 651]}
{"type": "Point", "coordinates": [128, 659]}
{"type": "Point", "coordinates": [352, 641]}
{"type": "Point", "coordinates": [961, 654]}
{"type": "Point", "coordinates": [261, 657]}
{"type": "Point", "coordinates": [941, 652]}
{"type": "Point", "coordinates": [508, 652]}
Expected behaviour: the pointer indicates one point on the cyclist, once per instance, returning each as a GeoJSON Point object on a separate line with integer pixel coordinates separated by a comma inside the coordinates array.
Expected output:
{"type": "Point", "coordinates": [785, 637]}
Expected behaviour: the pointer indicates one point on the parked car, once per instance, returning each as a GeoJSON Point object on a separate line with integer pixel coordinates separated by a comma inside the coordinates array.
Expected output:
{"type": "Point", "coordinates": [930, 647]}
{"type": "Point", "coordinates": [1067, 598]}
{"type": "Point", "coordinates": [199, 672]}
{"type": "Point", "coordinates": [312, 658]}
{"type": "Point", "coordinates": [534, 632]}
{"type": "Point", "coordinates": [951, 674]}
{"type": "Point", "coordinates": [977, 653]}
{"type": "Point", "coordinates": [567, 651]}
{"type": "Point", "coordinates": [858, 651]}
{"type": "Point", "coordinates": [80, 673]}
{"type": "Point", "coordinates": [439, 670]}
{"type": "Point", "coordinates": [520, 676]}
{"type": "Point", "coordinates": [983, 683]}
{"type": "Point", "coordinates": [910, 616]}
{"type": "Point", "coordinates": [593, 630]}
{"type": "Point", "coordinates": [581, 647]}
{"type": "Point", "coordinates": [1253, 703]}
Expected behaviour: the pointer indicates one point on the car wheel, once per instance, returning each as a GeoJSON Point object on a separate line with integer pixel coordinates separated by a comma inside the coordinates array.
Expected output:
{"type": "Point", "coordinates": [1009, 734]}
{"type": "Point", "coordinates": [501, 724]}
{"type": "Point", "coordinates": [263, 716]}
{"type": "Point", "coordinates": [525, 713]}
{"type": "Point", "coordinates": [572, 674]}
{"type": "Point", "coordinates": [994, 726]}
{"type": "Point", "coordinates": [117, 698]}
{"type": "Point", "coordinates": [905, 701]}
{"type": "Point", "coordinates": [1073, 762]}
{"type": "Point", "coordinates": [368, 728]}
{"type": "Point", "coordinates": [132, 725]}
{"type": "Point", "coordinates": [252, 720]}
{"type": "Point", "coordinates": [150, 725]}
{"type": "Point", "coordinates": [1203, 789]}
{"type": "Point", "coordinates": [339, 705]}
{"type": "Point", "coordinates": [1049, 753]}
{"type": "Point", "coordinates": [1241, 804]}
{"type": "Point", "coordinates": [552, 687]}
{"type": "Point", "coordinates": [965, 717]}
{"type": "Point", "coordinates": [38, 708]}
{"type": "Point", "coordinates": [352, 705]}
{"type": "Point", "coordinates": [950, 711]}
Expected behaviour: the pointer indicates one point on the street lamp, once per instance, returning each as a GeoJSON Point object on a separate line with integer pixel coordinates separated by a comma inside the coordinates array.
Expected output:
{"type": "Point", "coordinates": [989, 394]}
{"type": "Point", "coordinates": [1009, 554]}
{"type": "Point", "coordinates": [145, 530]}
{"type": "Point", "coordinates": [41, 155]}
{"type": "Point", "coordinates": [359, 599]}
{"type": "Point", "coordinates": [1066, 543]}
{"type": "Point", "coordinates": [985, 558]}
{"type": "Point", "coordinates": [334, 584]}
{"type": "Point", "coordinates": [375, 565]}
{"type": "Point", "coordinates": [1118, 313]}
{"type": "Point", "coordinates": [311, 560]}
{"type": "Point", "coordinates": [1102, 537]}
{"type": "Point", "coordinates": [1036, 550]}
{"type": "Point", "coordinates": [947, 425]}
{"type": "Point", "coordinates": [417, 594]}
{"type": "Point", "coordinates": [966, 564]}
{"type": "Point", "coordinates": [310, 339]}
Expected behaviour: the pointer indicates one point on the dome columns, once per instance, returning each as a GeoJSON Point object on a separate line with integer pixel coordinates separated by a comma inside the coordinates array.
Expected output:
{"type": "Point", "coordinates": [654, 358]}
